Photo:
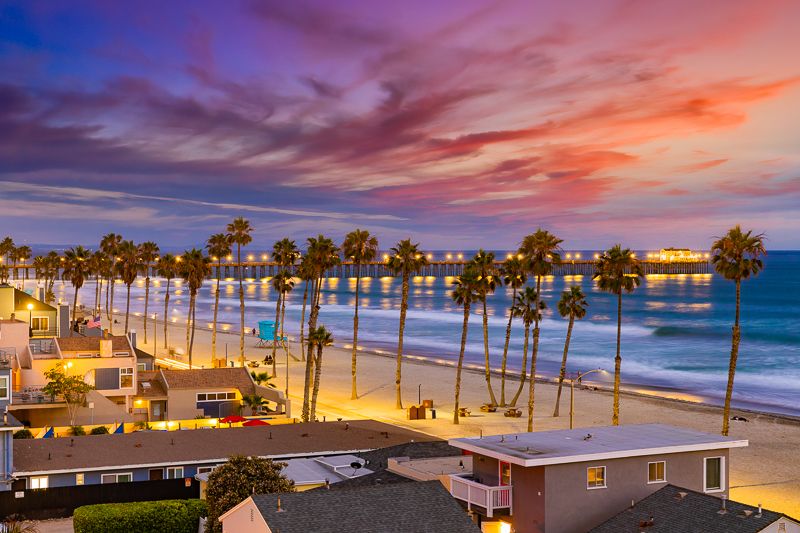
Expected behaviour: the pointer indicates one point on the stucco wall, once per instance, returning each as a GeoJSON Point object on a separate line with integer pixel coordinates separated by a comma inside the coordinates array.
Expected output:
{"type": "Point", "coordinates": [245, 519]}
{"type": "Point", "coordinates": [485, 470]}
{"type": "Point", "coordinates": [182, 403]}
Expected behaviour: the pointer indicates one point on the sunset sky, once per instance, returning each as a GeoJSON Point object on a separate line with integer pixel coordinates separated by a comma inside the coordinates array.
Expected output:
{"type": "Point", "coordinates": [460, 123]}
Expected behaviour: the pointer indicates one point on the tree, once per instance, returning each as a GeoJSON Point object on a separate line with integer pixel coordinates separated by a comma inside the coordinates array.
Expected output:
{"type": "Point", "coordinates": [233, 482]}
{"type": "Point", "coordinates": [71, 388]}
{"type": "Point", "coordinates": [617, 271]}
{"type": "Point", "coordinates": [573, 305]}
{"type": "Point", "coordinates": [360, 247]}
{"type": "Point", "coordinates": [97, 266]}
{"type": "Point", "coordinates": [108, 245]}
{"type": "Point", "coordinates": [319, 337]}
{"type": "Point", "coordinates": [46, 268]}
{"type": "Point", "coordinates": [487, 277]}
{"type": "Point", "coordinates": [22, 253]}
{"type": "Point", "coordinates": [262, 378]}
{"type": "Point", "coordinates": [305, 272]}
{"type": "Point", "coordinates": [513, 274]}
{"type": "Point", "coordinates": [282, 284]}
{"type": "Point", "coordinates": [254, 402]}
{"type": "Point", "coordinates": [404, 259]}
{"type": "Point", "coordinates": [167, 268]}
{"type": "Point", "coordinates": [736, 256]}
{"type": "Point", "coordinates": [540, 250]}
{"type": "Point", "coordinates": [76, 270]}
{"type": "Point", "coordinates": [148, 254]}
{"type": "Point", "coordinates": [465, 293]}
{"type": "Point", "coordinates": [523, 308]}
{"type": "Point", "coordinates": [239, 232]}
{"type": "Point", "coordinates": [127, 267]}
{"type": "Point", "coordinates": [6, 247]}
{"type": "Point", "coordinates": [194, 268]}
{"type": "Point", "coordinates": [285, 254]}
{"type": "Point", "coordinates": [218, 246]}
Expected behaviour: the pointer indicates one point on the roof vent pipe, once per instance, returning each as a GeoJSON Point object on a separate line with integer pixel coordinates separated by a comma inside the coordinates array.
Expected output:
{"type": "Point", "coordinates": [723, 510]}
{"type": "Point", "coordinates": [759, 511]}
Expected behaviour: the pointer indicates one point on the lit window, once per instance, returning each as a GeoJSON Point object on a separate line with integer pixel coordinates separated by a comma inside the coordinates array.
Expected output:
{"type": "Point", "coordinates": [657, 472]}
{"type": "Point", "coordinates": [175, 472]}
{"type": "Point", "coordinates": [713, 474]}
{"type": "Point", "coordinates": [201, 397]}
{"type": "Point", "coordinates": [79, 479]}
{"type": "Point", "coordinates": [125, 378]}
{"type": "Point", "coordinates": [4, 387]}
{"type": "Point", "coordinates": [40, 323]}
{"type": "Point", "coordinates": [39, 482]}
{"type": "Point", "coordinates": [596, 477]}
{"type": "Point", "coordinates": [505, 473]}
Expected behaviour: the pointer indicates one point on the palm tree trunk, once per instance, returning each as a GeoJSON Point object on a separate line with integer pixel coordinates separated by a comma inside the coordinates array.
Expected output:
{"type": "Point", "coordinates": [214, 325]}
{"type": "Point", "coordinates": [735, 337]}
{"type": "Point", "coordinates": [285, 344]}
{"type": "Point", "coordinates": [461, 361]}
{"type": "Point", "coordinates": [492, 399]}
{"type": "Point", "coordinates": [146, 301]}
{"type": "Point", "coordinates": [96, 294]}
{"type": "Point", "coordinates": [617, 362]}
{"type": "Point", "coordinates": [312, 323]}
{"type": "Point", "coordinates": [74, 309]}
{"type": "Point", "coordinates": [524, 371]}
{"type": "Point", "coordinates": [166, 314]}
{"type": "Point", "coordinates": [193, 306]}
{"type": "Point", "coordinates": [354, 391]}
{"type": "Point", "coordinates": [275, 332]}
{"type": "Point", "coordinates": [189, 322]}
{"type": "Point", "coordinates": [534, 353]}
{"type": "Point", "coordinates": [317, 377]}
{"type": "Point", "coordinates": [403, 309]}
{"type": "Point", "coordinates": [303, 322]}
{"type": "Point", "coordinates": [505, 351]}
{"type": "Point", "coordinates": [563, 372]}
{"type": "Point", "coordinates": [241, 303]}
{"type": "Point", "coordinates": [112, 284]}
{"type": "Point", "coordinates": [108, 290]}
{"type": "Point", "coordinates": [127, 309]}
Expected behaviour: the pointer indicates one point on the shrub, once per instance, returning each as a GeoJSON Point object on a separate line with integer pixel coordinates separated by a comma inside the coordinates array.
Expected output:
{"type": "Point", "coordinates": [23, 434]}
{"type": "Point", "coordinates": [99, 430]}
{"type": "Point", "coordinates": [77, 431]}
{"type": "Point", "coordinates": [179, 516]}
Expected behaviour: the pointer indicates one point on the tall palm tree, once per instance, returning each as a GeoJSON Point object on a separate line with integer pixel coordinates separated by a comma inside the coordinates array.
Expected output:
{"type": "Point", "coordinates": [285, 254]}
{"type": "Point", "coordinates": [404, 259]}
{"type": "Point", "coordinates": [53, 264]}
{"type": "Point", "coordinates": [12, 261]}
{"type": "Point", "coordinates": [465, 293]}
{"type": "Point", "coordinates": [218, 246]}
{"type": "Point", "coordinates": [76, 270]}
{"type": "Point", "coordinates": [488, 277]}
{"type": "Point", "coordinates": [22, 253]}
{"type": "Point", "coordinates": [195, 268]}
{"type": "Point", "coordinates": [148, 254]}
{"type": "Point", "coordinates": [239, 231]}
{"type": "Point", "coordinates": [282, 283]}
{"type": "Point", "coordinates": [514, 275]}
{"type": "Point", "coordinates": [284, 287]}
{"type": "Point", "coordinates": [541, 250]}
{"type": "Point", "coordinates": [305, 272]}
{"type": "Point", "coordinates": [321, 255]}
{"type": "Point", "coordinates": [109, 245]}
{"type": "Point", "coordinates": [523, 307]}
{"type": "Point", "coordinates": [319, 337]}
{"type": "Point", "coordinates": [360, 247]}
{"type": "Point", "coordinates": [6, 247]}
{"type": "Point", "coordinates": [96, 265]}
{"type": "Point", "coordinates": [617, 271]}
{"type": "Point", "coordinates": [168, 268]}
{"type": "Point", "coordinates": [737, 256]}
{"type": "Point", "coordinates": [128, 267]}
{"type": "Point", "coordinates": [573, 305]}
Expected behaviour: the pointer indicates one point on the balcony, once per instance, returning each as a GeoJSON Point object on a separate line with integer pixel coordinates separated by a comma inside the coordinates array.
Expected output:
{"type": "Point", "coordinates": [464, 488]}
{"type": "Point", "coordinates": [33, 396]}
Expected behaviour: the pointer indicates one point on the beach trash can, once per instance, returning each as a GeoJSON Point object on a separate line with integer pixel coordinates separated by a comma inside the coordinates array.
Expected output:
{"type": "Point", "coordinates": [433, 413]}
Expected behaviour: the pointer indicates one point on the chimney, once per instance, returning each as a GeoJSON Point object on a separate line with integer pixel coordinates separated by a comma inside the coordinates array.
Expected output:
{"type": "Point", "coordinates": [106, 349]}
{"type": "Point", "coordinates": [132, 337]}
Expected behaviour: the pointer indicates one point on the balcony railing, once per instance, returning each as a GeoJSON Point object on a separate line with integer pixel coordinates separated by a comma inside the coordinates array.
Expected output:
{"type": "Point", "coordinates": [33, 395]}
{"type": "Point", "coordinates": [463, 488]}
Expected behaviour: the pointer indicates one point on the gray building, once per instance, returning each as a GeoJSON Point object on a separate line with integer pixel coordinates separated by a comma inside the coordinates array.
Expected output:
{"type": "Point", "coordinates": [535, 482]}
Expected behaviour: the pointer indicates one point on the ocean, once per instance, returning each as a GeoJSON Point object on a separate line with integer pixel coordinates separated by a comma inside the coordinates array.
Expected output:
{"type": "Point", "coordinates": [675, 335]}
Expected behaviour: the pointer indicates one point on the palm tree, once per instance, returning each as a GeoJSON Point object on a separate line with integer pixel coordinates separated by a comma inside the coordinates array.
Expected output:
{"type": "Point", "coordinates": [262, 378]}
{"type": "Point", "coordinates": [109, 245]}
{"type": "Point", "coordinates": [360, 247]}
{"type": "Point", "coordinates": [737, 256]}
{"type": "Point", "coordinates": [128, 266]}
{"type": "Point", "coordinates": [305, 272]}
{"type": "Point", "coordinates": [254, 402]}
{"type": "Point", "coordinates": [48, 270]}
{"type": "Point", "coordinates": [405, 259]}
{"type": "Point", "coordinates": [282, 283]}
{"type": "Point", "coordinates": [195, 268]}
{"type": "Point", "coordinates": [513, 273]}
{"type": "Point", "coordinates": [148, 254]}
{"type": "Point", "coordinates": [618, 270]}
{"type": "Point", "coordinates": [319, 337]}
{"type": "Point", "coordinates": [76, 270]}
{"type": "Point", "coordinates": [540, 250]}
{"type": "Point", "coordinates": [97, 265]}
{"type": "Point", "coordinates": [6, 247]}
{"type": "Point", "coordinates": [22, 253]}
{"type": "Point", "coordinates": [285, 254]}
{"type": "Point", "coordinates": [12, 259]}
{"type": "Point", "coordinates": [465, 293]}
{"type": "Point", "coordinates": [239, 232]}
{"type": "Point", "coordinates": [573, 305]}
{"type": "Point", "coordinates": [168, 269]}
{"type": "Point", "coordinates": [487, 274]}
{"type": "Point", "coordinates": [218, 246]}
{"type": "Point", "coordinates": [321, 255]}
{"type": "Point", "coordinates": [523, 306]}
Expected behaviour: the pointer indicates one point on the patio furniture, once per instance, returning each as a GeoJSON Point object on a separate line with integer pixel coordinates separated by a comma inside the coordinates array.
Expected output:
{"type": "Point", "coordinates": [513, 413]}
{"type": "Point", "coordinates": [463, 411]}
{"type": "Point", "coordinates": [488, 408]}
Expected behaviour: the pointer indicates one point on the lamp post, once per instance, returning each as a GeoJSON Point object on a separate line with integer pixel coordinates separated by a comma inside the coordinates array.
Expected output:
{"type": "Point", "coordinates": [155, 334]}
{"type": "Point", "coordinates": [30, 319]}
{"type": "Point", "coordinates": [572, 392]}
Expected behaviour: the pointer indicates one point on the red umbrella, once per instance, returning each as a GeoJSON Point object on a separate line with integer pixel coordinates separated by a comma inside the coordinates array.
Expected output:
{"type": "Point", "coordinates": [250, 423]}
{"type": "Point", "coordinates": [232, 419]}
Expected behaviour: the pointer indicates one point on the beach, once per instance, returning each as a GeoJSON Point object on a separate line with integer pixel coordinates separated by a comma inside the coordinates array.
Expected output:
{"type": "Point", "coordinates": [764, 472]}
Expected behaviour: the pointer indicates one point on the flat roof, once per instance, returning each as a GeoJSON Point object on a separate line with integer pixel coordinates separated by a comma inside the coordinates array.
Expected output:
{"type": "Point", "coordinates": [144, 449]}
{"type": "Point", "coordinates": [594, 443]}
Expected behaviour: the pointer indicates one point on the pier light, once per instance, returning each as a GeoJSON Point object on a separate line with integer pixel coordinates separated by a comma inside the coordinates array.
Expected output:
{"type": "Point", "coordinates": [577, 256]}
{"type": "Point", "coordinates": [419, 256]}
{"type": "Point", "coordinates": [707, 256]}
{"type": "Point", "coordinates": [178, 259]}
{"type": "Point", "coordinates": [214, 258]}
{"type": "Point", "coordinates": [597, 256]}
{"type": "Point", "coordinates": [449, 256]}
{"type": "Point", "coordinates": [250, 257]}
{"type": "Point", "coordinates": [519, 256]}
{"type": "Point", "coordinates": [385, 257]}
{"type": "Point", "coordinates": [509, 256]}
{"type": "Point", "coordinates": [430, 256]}
{"type": "Point", "coordinates": [569, 256]}
{"type": "Point", "coordinates": [264, 257]}
{"type": "Point", "coordinates": [230, 257]}
{"type": "Point", "coordinates": [461, 256]}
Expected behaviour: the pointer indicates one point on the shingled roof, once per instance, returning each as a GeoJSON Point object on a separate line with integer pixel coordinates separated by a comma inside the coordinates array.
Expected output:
{"type": "Point", "coordinates": [420, 507]}
{"type": "Point", "coordinates": [119, 343]}
{"type": "Point", "coordinates": [673, 509]}
{"type": "Point", "coordinates": [210, 378]}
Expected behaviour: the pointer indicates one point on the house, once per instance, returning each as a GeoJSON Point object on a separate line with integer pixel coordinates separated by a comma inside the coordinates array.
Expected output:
{"type": "Point", "coordinates": [8, 425]}
{"type": "Point", "coordinates": [674, 508]}
{"type": "Point", "coordinates": [153, 455]}
{"type": "Point", "coordinates": [532, 482]}
{"type": "Point", "coordinates": [211, 392]}
{"type": "Point", "coordinates": [41, 318]}
{"type": "Point", "coordinates": [418, 507]}
{"type": "Point", "coordinates": [144, 360]}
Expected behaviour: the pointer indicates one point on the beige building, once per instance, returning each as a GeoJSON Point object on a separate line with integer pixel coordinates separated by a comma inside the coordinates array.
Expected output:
{"type": "Point", "coordinates": [41, 318]}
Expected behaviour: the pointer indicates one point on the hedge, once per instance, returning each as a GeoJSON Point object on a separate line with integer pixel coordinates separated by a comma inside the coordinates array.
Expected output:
{"type": "Point", "coordinates": [179, 516]}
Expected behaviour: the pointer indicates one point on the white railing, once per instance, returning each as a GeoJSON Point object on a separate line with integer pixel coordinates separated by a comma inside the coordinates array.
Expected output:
{"type": "Point", "coordinates": [474, 493]}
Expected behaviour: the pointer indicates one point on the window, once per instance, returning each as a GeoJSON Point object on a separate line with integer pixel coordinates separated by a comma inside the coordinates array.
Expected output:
{"type": "Point", "coordinates": [3, 387]}
{"type": "Point", "coordinates": [141, 367]}
{"type": "Point", "coordinates": [122, 354]}
{"type": "Point", "coordinates": [79, 479]}
{"type": "Point", "coordinates": [657, 472]}
{"type": "Point", "coordinates": [204, 469]}
{"type": "Point", "coordinates": [39, 482]}
{"type": "Point", "coordinates": [505, 473]}
{"type": "Point", "coordinates": [116, 478]}
{"type": "Point", "coordinates": [596, 477]}
{"type": "Point", "coordinates": [125, 378]}
{"type": "Point", "coordinates": [215, 396]}
{"type": "Point", "coordinates": [174, 472]}
{"type": "Point", "coordinates": [713, 474]}
{"type": "Point", "coordinates": [40, 323]}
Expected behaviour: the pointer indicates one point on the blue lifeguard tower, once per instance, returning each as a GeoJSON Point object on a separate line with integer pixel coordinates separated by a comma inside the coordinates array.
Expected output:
{"type": "Point", "coordinates": [267, 335]}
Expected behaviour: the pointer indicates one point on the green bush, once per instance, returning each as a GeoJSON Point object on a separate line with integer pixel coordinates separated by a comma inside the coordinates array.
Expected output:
{"type": "Point", "coordinates": [77, 431]}
{"type": "Point", "coordinates": [99, 430]}
{"type": "Point", "coordinates": [179, 516]}
{"type": "Point", "coordinates": [23, 434]}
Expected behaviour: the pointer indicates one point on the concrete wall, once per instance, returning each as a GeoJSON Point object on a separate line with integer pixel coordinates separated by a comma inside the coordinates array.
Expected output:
{"type": "Point", "coordinates": [105, 412]}
{"type": "Point", "coordinates": [182, 403]}
{"type": "Point", "coordinates": [485, 470]}
{"type": "Point", "coordinates": [14, 334]}
{"type": "Point", "coordinates": [789, 526]}
{"type": "Point", "coordinates": [245, 519]}
{"type": "Point", "coordinates": [529, 499]}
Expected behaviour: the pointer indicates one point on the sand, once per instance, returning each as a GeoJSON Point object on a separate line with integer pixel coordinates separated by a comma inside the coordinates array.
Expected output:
{"type": "Point", "coordinates": [765, 472]}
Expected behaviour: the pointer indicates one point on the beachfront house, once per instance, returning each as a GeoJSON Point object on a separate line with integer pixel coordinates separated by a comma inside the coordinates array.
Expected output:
{"type": "Point", "coordinates": [8, 425]}
{"type": "Point", "coordinates": [572, 480]}
{"type": "Point", "coordinates": [41, 318]}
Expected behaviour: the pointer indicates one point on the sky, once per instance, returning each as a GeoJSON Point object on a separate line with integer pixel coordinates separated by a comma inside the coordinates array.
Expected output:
{"type": "Point", "coordinates": [455, 123]}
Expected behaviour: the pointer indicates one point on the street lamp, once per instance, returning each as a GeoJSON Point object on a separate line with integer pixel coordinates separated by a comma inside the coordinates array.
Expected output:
{"type": "Point", "coordinates": [572, 392]}
{"type": "Point", "coordinates": [30, 318]}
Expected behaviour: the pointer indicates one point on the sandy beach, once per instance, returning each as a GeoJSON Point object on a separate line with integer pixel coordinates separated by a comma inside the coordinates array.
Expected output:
{"type": "Point", "coordinates": [762, 473]}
